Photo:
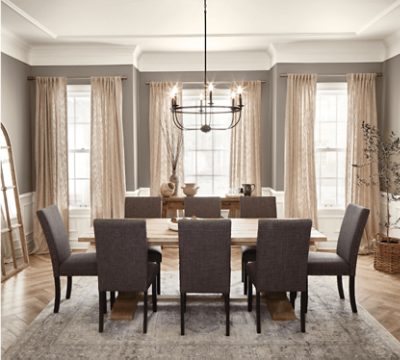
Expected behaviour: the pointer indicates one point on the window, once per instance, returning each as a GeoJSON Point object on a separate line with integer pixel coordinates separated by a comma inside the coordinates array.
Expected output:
{"type": "Point", "coordinates": [330, 144]}
{"type": "Point", "coordinates": [207, 155]}
{"type": "Point", "coordinates": [79, 145]}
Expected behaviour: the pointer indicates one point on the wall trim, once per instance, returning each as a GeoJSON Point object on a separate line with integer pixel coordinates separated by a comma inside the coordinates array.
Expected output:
{"type": "Point", "coordinates": [15, 47]}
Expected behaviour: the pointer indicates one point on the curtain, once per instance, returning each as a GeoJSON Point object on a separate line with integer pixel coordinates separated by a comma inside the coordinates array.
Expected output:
{"type": "Point", "coordinates": [361, 108]}
{"type": "Point", "coordinates": [245, 140]}
{"type": "Point", "coordinates": [51, 151]}
{"type": "Point", "coordinates": [300, 182]}
{"type": "Point", "coordinates": [164, 136]}
{"type": "Point", "coordinates": [107, 166]}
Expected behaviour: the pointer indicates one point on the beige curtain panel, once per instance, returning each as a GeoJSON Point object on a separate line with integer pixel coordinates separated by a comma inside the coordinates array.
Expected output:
{"type": "Point", "coordinates": [107, 164]}
{"type": "Point", "coordinates": [51, 151]}
{"type": "Point", "coordinates": [163, 132]}
{"type": "Point", "coordinates": [300, 181]}
{"type": "Point", "coordinates": [362, 108]}
{"type": "Point", "coordinates": [245, 140]}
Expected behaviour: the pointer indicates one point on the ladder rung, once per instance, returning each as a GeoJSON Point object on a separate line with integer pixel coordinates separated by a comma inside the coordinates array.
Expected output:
{"type": "Point", "coordinates": [14, 226]}
{"type": "Point", "coordinates": [6, 147]}
{"type": "Point", "coordinates": [5, 188]}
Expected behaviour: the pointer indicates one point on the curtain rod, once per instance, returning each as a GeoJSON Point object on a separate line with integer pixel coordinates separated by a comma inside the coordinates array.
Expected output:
{"type": "Point", "coordinates": [329, 75]}
{"type": "Point", "coordinates": [77, 77]}
{"type": "Point", "coordinates": [201, 82]}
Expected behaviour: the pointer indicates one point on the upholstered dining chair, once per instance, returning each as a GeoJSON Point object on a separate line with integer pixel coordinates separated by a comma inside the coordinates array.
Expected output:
{"type": "Point", "coordinates": [203, 207]}
{"type": "Point", "coordinates": [344, 261]}
{"type": "Point", "coordinates": [204, 261]}
{"type": "Point", "coordinates": [63, 261]}
{"type": "Point", "coordinates": [122, 262]}
{"type": "Point", "coordinates": [281, 262]}
{"type": "Point", "coordinates": [146, 207]}
{"type": "Point", "coordinates": [254, 207]}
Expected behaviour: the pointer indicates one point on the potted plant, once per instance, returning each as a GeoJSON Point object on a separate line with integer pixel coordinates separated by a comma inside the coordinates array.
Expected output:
{"type": "Point", "coordinates": [385, 151]}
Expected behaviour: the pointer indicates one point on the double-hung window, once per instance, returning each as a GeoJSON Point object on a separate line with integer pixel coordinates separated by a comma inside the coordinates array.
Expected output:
{"type": "Point", "coordinates": [79, 145]}
{"type": "Point", "coordinates": [207, 155]}
{"type": "Point", "coordinates": [330, 144]}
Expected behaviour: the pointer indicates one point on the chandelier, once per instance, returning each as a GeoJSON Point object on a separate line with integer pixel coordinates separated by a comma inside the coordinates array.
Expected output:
{"type": "Point", "coordinates": [206, 108]}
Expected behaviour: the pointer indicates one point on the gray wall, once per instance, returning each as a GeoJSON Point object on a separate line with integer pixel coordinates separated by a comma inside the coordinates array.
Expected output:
{"type": "Point", "coordinates": [278, 88]}
{"type": "Point", "coordinates": [143, 120]}
{"type": "Point", "coordinates": [127, 102]}
{"type": "Point", "coordinates": [16, 117]}
{"type": "Point", "coordinates": [391, 110]}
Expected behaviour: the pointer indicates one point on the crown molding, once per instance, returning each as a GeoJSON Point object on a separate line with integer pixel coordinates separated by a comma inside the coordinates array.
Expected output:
{"type": "Point", "coordinates": [82, 55]}
{"type": "Point", "coordinates": [30, 19]}
{"type": "Point", "coordinates": [14, 46]}
{"type": "Point", "coordinates": [379, 16]}
{"type": "Point", "coordinates": [194, 61]}
{"type": "Point", "coordinates": [328, 51]}
{"type": "Point", "coordinates": [392, 45]}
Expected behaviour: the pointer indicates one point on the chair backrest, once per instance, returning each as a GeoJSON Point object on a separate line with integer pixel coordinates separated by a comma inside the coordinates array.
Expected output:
{"type": "Point", "coordinates": [56, 236]}
{"type": "Point", "coordinates": [203, 207]}
{"type": "Point", "coordinates": [143, 207]}
{"type": "Point", "coordinates": [258, 207]}
{"type": "Point", "coordinates": [351, 231]}
{"type": "Point", "coordinates": [121, 251]}
{"type": "Point", "coordinates": [282, 254]}
{"type": "Point", "coordinates": [205, 255]}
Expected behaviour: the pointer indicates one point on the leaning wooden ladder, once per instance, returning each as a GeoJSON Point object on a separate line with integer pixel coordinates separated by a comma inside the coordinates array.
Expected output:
{"type": "Point", "coordinates": [12, 229]}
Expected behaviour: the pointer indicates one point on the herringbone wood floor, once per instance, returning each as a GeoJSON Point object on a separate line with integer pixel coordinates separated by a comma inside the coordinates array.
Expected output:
{"type": "Point", "coordinates": [27, 293]}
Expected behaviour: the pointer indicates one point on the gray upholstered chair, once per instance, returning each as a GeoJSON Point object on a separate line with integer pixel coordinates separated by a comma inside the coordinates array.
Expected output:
{"type": "Point", "coordinates": [203, 207]}
{"type": "Point", "coordinates": [344, 261]}
{"type": "Point", "coordinates": [204, 260]}
{"type": "Point", "coordinates": [254, 207]}
{"type": "Point", "coordinates": [122, 262]}
{"type": "Point", "coordinates": [64, 262]}
{"type": "Point", "coordinates": [147, 207]}
{"type": "Point", "coordinates": [281, 261]}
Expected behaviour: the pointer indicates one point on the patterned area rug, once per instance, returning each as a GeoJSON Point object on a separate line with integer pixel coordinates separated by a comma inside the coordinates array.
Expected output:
{"type": "Point", "coordinates": [332, 330]}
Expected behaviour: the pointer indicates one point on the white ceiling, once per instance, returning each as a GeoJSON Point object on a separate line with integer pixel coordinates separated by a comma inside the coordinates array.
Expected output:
{"type": "Point", "coordinates": [177, 26]}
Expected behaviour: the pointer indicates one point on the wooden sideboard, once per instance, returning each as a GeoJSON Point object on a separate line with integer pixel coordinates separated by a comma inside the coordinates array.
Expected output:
{"type": "Point", "coordinates": [171, 204]}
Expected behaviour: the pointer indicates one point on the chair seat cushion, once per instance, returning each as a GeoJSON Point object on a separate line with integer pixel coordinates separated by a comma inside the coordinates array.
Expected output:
{"type": "Point", "coordinates": [152, 270]}
{"type": "Point", "coordinates": [248, 253]}
{"type": "Point", "coordinates": [251, 271]}
{"type": "Point", "coordinates": [320, 263]}
{"type": "Point", "coordinates": [155, 254]}
{"type": "Point", "coordinates": [79, 264]}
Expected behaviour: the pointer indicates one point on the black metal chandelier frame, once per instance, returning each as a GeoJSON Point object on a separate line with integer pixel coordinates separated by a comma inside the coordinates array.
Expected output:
{"type": "Point", "coordinates": [209, 108]}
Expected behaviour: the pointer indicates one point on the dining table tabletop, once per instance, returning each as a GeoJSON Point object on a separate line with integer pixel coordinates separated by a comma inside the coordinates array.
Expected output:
{"type": "Point", "coordinates": [159, 232]}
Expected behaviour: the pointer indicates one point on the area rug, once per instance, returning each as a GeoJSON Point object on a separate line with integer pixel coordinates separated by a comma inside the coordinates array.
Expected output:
{"type": "Point", "coordinates": [332, 330]}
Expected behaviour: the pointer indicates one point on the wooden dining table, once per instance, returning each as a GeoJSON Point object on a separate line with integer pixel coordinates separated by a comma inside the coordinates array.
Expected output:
{"type": "Point", "coordinates": [244, 232]}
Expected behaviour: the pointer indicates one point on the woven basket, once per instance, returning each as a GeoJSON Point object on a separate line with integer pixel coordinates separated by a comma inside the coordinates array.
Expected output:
{"type": "Point", "coordinates": [387, 257]}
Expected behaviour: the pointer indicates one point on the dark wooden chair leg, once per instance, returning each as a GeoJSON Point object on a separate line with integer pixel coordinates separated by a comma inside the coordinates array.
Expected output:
{"type": "Point", "coordinates": [154, 295]}
{"type": "Point", "coordinates": [293, 296]}
{"type": "Point", "coordinates": [258, 311]}
{"type": "Point", "coordinates": [57, 290]}
{"type": "Point", "coordinates": [112, 298]}
{"type": "Point", "coordinates": [249, 295]}
{"type": "Point", "coordinates": [69, 287]}
{"type": "Point", "coordinates": [159, 279]}
{"type": "Point", "coordinates": [102, 299]}
{"type": "Point", "coordinates": [352, 294]}
{"type": "Point", "coordinates": [184, 302]}
{"type": "Point", "coordinates": [145, 312]}
{"type": "Point", "coordinates": [303, 306]}
{"type": "Point", "coordinates": [340, 286]}
{"type": "Point", "coordinates": [182, 314]}
{"type": "Point", "coordinates": [245, 281]}
{"type": "Point", "coordinates": [227, 314]}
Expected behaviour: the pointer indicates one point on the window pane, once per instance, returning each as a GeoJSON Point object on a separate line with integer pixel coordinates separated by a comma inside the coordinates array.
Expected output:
{"type": "Point", "coordinates": [204, 163]}
{"type": "Point", "coordinates": [71, 165]}
{"type": "Point", "coordinates": [204, 140]}
{"type": "Point", "coordinates": [327, 135]}
{"type": "Point", "coordinates": [328, 192]}
{"type": "Point", "coordinates": [82, 165]}
{"type": "Point", "coordinates": [82, 140]}
{"type": "Point", "coordinates": [82, 193]}
{"type": "Point", "coordinates": [189, 163]}
{"type": "Point", "coordinates": [206, 185]}
{"type": "Point", "coordinates": [221, 166]}
{"type": "Point", "coordinates": [82, 112]}
{"type": "Point", "coordinates": [328, 164]}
